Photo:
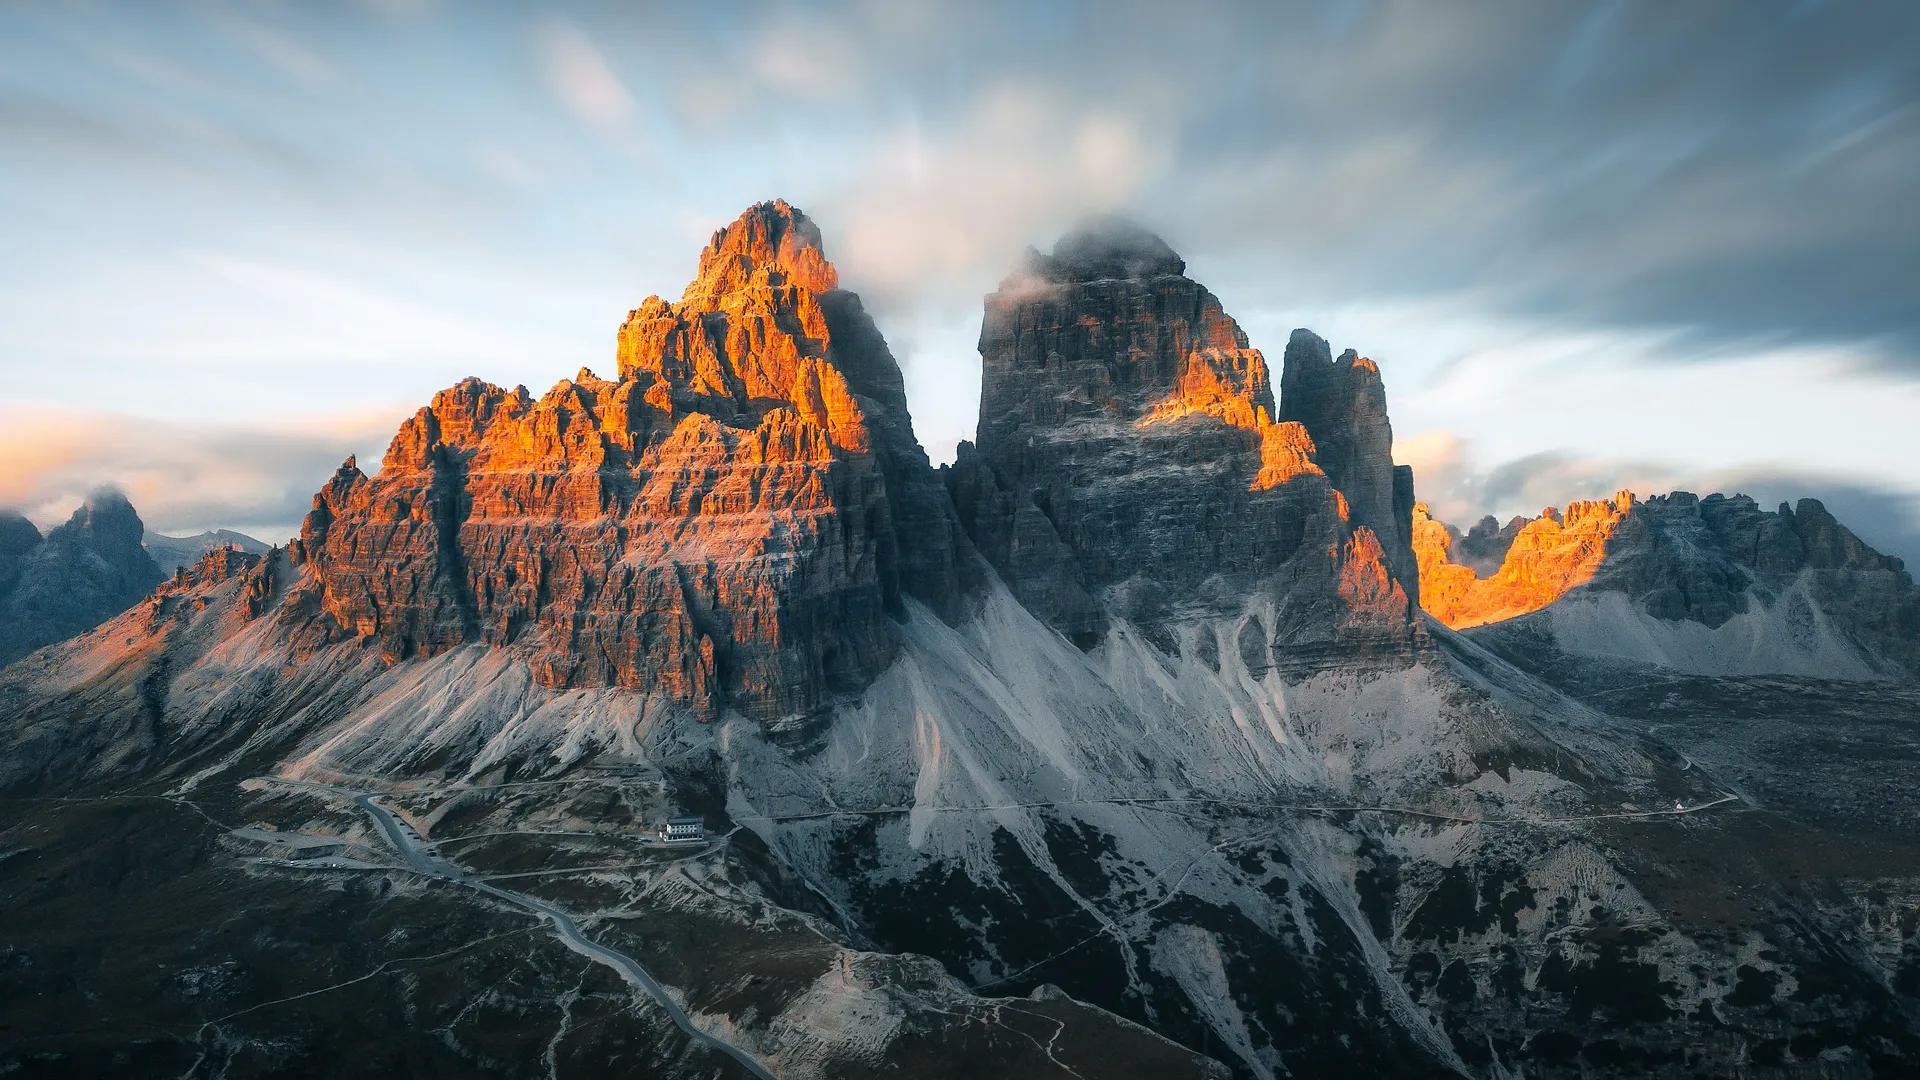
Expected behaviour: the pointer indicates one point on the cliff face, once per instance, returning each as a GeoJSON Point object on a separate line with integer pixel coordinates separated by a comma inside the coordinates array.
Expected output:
{"type": "Point", "coordinates": [1753, 589]}
{"type": "Point", "coordinates": [1128, 465]}
{"type": "Point", "coordinates": [79, 575]}
{"type": "Point", "coordinates": [732, 519]}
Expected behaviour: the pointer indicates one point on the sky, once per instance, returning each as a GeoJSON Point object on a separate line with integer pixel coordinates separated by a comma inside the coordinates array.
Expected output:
{"type": "Point", "coordinates": [1591, 246]}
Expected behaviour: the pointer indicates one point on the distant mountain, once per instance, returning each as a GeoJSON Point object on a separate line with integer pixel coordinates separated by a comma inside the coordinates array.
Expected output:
{"type": "Point", "coordinates": [1119, 748]}
{"type": "Point", "coordinates": [1708, 586]}
{"type": "Point", "coordinates": [79, 575]}
{"type": "Point", "coordinates": [173, 552]}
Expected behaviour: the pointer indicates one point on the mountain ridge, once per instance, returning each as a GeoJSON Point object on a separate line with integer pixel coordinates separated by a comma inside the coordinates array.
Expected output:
{"type": "Point", "coordinates": [1119, 746]}
{"type": "Point", "coordinates": [1711, 585]}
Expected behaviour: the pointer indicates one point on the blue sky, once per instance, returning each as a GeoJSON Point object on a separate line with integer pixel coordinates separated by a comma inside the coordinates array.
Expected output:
{"type": "Point", "coordinates": [1591, 246]}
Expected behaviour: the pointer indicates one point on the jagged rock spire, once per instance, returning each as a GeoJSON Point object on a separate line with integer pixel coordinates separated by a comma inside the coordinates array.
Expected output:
{"type": "Point", "coordinates": [80, 573]}
{"type": "Point", "coordinates": [1343, 404]}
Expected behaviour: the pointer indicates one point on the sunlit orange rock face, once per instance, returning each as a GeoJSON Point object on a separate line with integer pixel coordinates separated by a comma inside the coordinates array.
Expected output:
{"type": "Point", "coordinates": [1128, 464]}
{"type": "Point", "coordinates": [1549, 556]}
{"type": "Point", "coordinates": [729, 521]}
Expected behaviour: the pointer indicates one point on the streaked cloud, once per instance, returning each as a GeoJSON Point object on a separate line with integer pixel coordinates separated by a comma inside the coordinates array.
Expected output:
{"type": "Point", "coordinates": [280, 50]}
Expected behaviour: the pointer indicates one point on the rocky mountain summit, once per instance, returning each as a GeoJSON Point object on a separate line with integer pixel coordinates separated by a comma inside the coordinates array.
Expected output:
{"type": "Point", "coordinates": [735, 520]}
{"type": "Point", "coordinates": [1128, 464]}
{"type": "Point", "coordinates": [1117, 749]}
{"type": "Point", "coordinates": [79, 575]}
{"type": "Point", "coordinates": [1713, 585]}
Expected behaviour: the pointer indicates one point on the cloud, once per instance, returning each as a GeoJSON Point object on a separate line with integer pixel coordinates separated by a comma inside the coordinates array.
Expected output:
{"type": "Point", "coordinates": [280, 50]}
{"type": "Point", "coordinates": [1021, 163]}
{"type": "Point", "coordinates": [581, 78]}
{"type": "Point", "coordinates": [806, 57]}
{"type": "Point", "coordinates": [181, 478]}
{"type": "Point", "coordinates": [1683, 169]}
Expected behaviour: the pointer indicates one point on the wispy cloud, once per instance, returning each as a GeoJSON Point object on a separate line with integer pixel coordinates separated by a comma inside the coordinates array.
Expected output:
{"type": "Point", "coordinates": [584, 82]}
{"type": "Point", "coordinates": [807, 57]}
{"type": "Point", "coordinates": [1019, 164]}
{"type": "Point", "coordinates": [277, 48]}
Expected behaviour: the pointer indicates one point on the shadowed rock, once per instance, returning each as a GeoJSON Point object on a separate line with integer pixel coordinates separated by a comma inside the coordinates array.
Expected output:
{"type": "Point", "coordinates": [1128, 465]}
{"type": "Point", "coordinates": [79, 575]}
{"type": "Point", "coordinates": [1343, 405]}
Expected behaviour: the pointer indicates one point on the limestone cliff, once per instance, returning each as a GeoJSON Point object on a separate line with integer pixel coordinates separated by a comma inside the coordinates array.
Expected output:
{"type": "Point", "coordinates": [1128, 465]}
{"type": "Point", "coordinates": [79, 575]}
{"type": "Point", "coordinates": [733, 519]}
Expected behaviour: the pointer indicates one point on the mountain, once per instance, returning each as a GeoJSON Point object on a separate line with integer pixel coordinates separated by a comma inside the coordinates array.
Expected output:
{"type": "Point", "coordinates": [1128, 466]}
{"type": "Point", "coordinates": [1710, 586]}
{"type": "Point", "coordinates": [79, 575]}
{"type": "Point", "coordinates": [174, 553]}
{"type": "Point", "coordinates": [1120, 747]}
{"type": "Point", "coordinates": [732, 522]}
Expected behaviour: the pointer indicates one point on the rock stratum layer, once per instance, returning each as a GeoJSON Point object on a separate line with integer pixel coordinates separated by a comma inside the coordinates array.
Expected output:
{"type": "Point", "coordinates": [735, 519]}
{"type": "Point", "coordinates": [1714, 585]}
{"type": "Point", "coordinates": [1128, 464]}
{"type": "Point", "coordinates": [79, 575]}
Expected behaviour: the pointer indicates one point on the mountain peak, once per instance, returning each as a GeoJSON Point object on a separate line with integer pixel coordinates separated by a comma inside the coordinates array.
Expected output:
{"type": "Point", "coordinates": [79, 574]}
{"type": "Point", "coordinates": [1110, 247]}
{"type": "Point", "coordinates": [774, 242]}
{"type": "Point", "coordinates": [108, 514]}
{"type": "Point", "coordinates": [1119, 374]}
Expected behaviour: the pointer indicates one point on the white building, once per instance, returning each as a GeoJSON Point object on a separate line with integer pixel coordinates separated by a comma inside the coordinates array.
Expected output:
{"type": "Point", "coordinates": [684, 830]}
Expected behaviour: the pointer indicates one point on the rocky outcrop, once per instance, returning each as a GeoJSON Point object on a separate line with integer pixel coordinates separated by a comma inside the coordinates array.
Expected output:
{"type": "Point", "coordinates": [733, 520]}
{"type": "Point", "coordinates": [1714, 582]}
{"type": "Point", "coordinates": [1128, 465]}
{"type": "Point", "coordinates": [171, 553]}
{"type": "Point", "coordinates": [78, 576]}
{"type": "Point", "coordinates": [191, 584]}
